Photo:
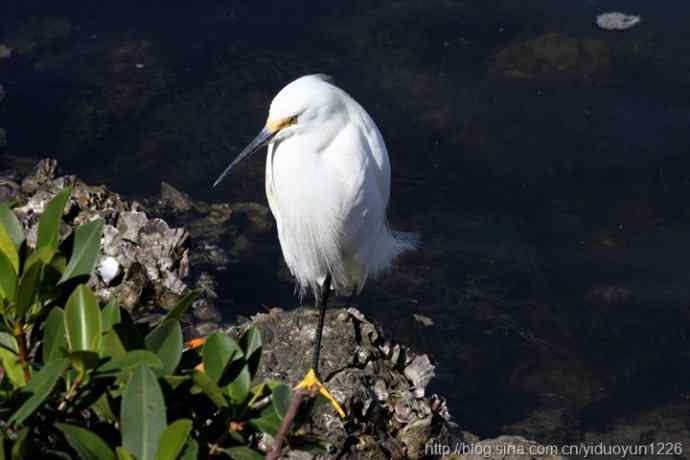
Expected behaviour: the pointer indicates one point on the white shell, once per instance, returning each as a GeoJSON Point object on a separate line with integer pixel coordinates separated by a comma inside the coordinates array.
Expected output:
{"type": "Point", "coordinates": [108, 269]}
{"type": "Point", "coordinates": [617, 21]}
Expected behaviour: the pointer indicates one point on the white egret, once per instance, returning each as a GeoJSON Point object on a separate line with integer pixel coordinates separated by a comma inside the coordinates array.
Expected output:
{"type": "Point", "coordinates": [328, 185]}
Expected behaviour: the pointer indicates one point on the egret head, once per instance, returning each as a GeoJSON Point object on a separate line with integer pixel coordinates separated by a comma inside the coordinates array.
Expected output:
{"type": "Point", "coordinates": [303, 105]}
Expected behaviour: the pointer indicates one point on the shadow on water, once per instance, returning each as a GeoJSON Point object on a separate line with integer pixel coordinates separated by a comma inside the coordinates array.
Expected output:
{"type": "Point", "coordinates": [543, 161]}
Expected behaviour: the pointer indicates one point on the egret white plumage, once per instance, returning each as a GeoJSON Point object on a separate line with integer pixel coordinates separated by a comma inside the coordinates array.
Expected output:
{"type": "Point", "coordinates": [328, 186]}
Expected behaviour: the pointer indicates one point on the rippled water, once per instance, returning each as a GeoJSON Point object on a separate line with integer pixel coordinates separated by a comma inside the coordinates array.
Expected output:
{"type": "Point", "coordinates": [544, 162]}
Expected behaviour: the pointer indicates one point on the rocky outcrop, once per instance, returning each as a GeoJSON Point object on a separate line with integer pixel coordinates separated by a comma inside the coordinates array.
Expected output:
{"type": "Point", "coordinates": [146, 265]}
{"type": "Point", "coordinates": [144, 261]}
{"type": "Point", "coordinates": [382, 384]}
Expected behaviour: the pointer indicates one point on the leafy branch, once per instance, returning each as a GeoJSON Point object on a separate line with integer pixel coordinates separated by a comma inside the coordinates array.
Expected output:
{"type": "Point", "coordinates": [93, 384]}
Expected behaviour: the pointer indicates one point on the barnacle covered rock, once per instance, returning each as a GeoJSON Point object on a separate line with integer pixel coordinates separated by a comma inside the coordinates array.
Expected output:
{"type": "Point", "coordinates": [144, 261]}
{"type": "Point", "coordinates": [382, 384]}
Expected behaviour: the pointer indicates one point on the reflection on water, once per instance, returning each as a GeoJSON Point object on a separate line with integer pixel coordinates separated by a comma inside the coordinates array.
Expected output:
{"type": "Point", "coordinates": [543, 161]}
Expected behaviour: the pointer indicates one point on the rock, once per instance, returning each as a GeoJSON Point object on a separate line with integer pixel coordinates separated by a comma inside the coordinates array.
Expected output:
{"type": "Point", "coordinates": [5, 53]}
{"type": "Point", "coordinates": [213, 225]}
{"type": "Point", "coordinates": [554, 56]}
{"type": "Point", "coordinates": [129, 225]}
{"type": "Point", "coordinates": [205, 329]}
{"type": "Point", "coordinates": [420, 372]}
{"type": "Point", "coordinates": [423, 320]}
{"type": "Point", "coordinates": [8, 188]}
{"type": "Point", "coordinates": [253, 217]}
{"type": "Point", "coordinates": [204, 309]}
{"type": "Point", "coordinates": [144, 263]}
{"type": "Point", "coordinates": [617, 21]}
{"type": "Point", "coordinates": [129, 293]}
{"type": "Point", "coordinates": [388, 414]}
{"type": "Point", "coordinates": [172, 197]}
{"type": "Point", "coordinates": [42, 173]}
{"type": "Point", "coordinates": [224, 234]}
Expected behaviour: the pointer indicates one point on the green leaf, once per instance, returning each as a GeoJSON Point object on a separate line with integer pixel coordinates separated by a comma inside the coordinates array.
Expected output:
{"type": "Point", "coordinates": [54, 335]}
{"type": "Point", "coordinates": [49, 223]}
{"type": "Point", "coordinates": [176, 380]}
{"type": "Point", "coordinates": [36, 257]}
{"type": "Point", "coordinates": [40, 386]}
{"type": "Point", "coordinates": [111, 315]}
{"type": "Point", "coordinates": [282, 398]}
{"type": "Point", "coordinates": [173, 439]}
{"type": "Point", "coordinates": [20, 446]}
{"type": "Point", "coordinates": [112, 345]}
{"type": "Point", "coordinates": [166, 341]}
{"type": "Point", "coordinates": [209, 388]}
{"type": "Point", "coordinates": [251, 344]}
{"type": "Point", "coordinates": [142, 414]}
{"type": "Point", "coordinates": [83, 320]}
{"type": "Point", "coordinates": [28, 289]}
{"type": "Point", "coordinates": [268, 422]}
{"type": "Point", "coordinates": [102, 409]}
{"type": "Point", "coordinates": [218, 349]}
{"type": "Point", "coordinates": [238, 389]}
{"type": "Point", "coordinates": [87, 444]}
{"type": "Point", "coordinates": [8, 278]}
{"type": "Point", "coordinates": [58, 263]}
{"type": "Point", "coordinates": [8, 248]}
{"type": "Point", "coordinates": [12, 225]}
{"type": "Point", "coordinates": [191, 451]}
{"type": "Point", "coordinates": [123, 454]}
{"type": "Point", "coordinates": [182, 305]}
{"type": "Point", "coordinates": [10, 361]}
{"type": "Point", "coordinates": [83, 359]}
{"type": "Point", "coordinates": [131, 359]}
{"type": "Point", "coordinates": [243, 453]}
{"type": "Point", "coordinates": [85, 252]}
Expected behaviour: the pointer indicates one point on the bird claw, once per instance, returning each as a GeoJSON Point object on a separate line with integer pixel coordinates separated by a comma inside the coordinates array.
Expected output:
{"type": "Point", "coordinates": [311, 383]}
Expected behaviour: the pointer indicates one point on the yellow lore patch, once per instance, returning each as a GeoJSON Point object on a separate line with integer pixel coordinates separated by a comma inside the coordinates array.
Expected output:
{"type": "Point", "coordinates": [273, 126]}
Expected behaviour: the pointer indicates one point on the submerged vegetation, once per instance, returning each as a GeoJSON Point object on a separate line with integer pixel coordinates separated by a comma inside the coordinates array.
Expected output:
{"type": "Point", "coordinates": [82, 380]}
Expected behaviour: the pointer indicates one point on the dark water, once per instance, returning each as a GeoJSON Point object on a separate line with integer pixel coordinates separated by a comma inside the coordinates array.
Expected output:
{"type": "Point", "coordinates": [544, 162]}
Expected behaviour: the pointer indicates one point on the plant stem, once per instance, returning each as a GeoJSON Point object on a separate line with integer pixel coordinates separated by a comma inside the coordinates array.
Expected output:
{"type": "Point", "coordinates": [71, 393]}
{"type": "Point", "coordinates": [290, 415]}
{"type": "Point", "coordinates": [215, 449]}
{"type": "Point", "coordinates": [20, 334]}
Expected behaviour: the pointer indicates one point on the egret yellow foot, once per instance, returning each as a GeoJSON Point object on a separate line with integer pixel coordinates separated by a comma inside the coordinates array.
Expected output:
{"type": "Point", "coordinates": [311, 382]}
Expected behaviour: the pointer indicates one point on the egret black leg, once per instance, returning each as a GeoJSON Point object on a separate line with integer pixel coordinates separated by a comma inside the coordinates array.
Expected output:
{"type": "Point", "coordinates": [351, 298]}
{"type": "Point", "coordinates": [321, 301]}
